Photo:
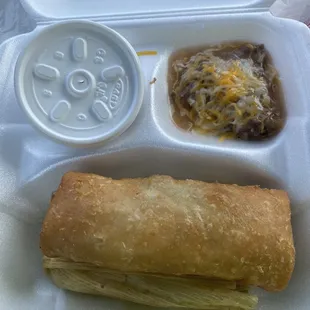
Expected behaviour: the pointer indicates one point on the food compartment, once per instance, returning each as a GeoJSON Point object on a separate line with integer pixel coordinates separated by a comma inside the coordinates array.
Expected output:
{"type": "Point", "coordinates": [137, 162]}
{"type": "Point", "coordinates": [213, 32]}
{"type": "Point", "coordinates": [230, 90]}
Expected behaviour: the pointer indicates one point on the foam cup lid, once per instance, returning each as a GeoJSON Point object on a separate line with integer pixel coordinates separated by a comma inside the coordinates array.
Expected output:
{"type": "Point", "coordinates": [79, 82]}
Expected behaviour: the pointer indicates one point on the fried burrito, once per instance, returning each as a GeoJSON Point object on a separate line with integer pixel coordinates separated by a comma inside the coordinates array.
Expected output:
{"type": "Point", "coordinates": [168, 243]}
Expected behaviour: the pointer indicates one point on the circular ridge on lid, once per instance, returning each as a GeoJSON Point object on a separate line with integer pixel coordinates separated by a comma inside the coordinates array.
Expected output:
{"type": "Point", "coordinates": [79, 82]}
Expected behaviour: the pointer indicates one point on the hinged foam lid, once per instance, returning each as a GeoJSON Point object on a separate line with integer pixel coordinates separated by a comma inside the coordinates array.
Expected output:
{"type": "Point", "coordinates": [49, 10]}
{"type": "Point", "coordinates": [79, 82]}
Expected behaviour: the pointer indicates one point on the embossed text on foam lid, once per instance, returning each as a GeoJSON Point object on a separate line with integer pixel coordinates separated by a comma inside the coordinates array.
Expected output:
{"type": "Point", "coordinates": [79, 82]}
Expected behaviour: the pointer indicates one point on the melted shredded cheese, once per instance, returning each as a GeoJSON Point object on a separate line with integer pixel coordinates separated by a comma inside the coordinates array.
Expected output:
{"type": "Point", "coordinates": [223, 96]}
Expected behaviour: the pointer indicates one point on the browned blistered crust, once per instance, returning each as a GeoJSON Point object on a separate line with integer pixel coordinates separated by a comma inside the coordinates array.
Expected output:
{"type": "Point", "coordinates": [168, 226]}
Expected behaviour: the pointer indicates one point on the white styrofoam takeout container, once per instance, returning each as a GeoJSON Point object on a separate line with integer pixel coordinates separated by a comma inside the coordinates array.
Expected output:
{"type": "Point", "coordinates": [31, 165]}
